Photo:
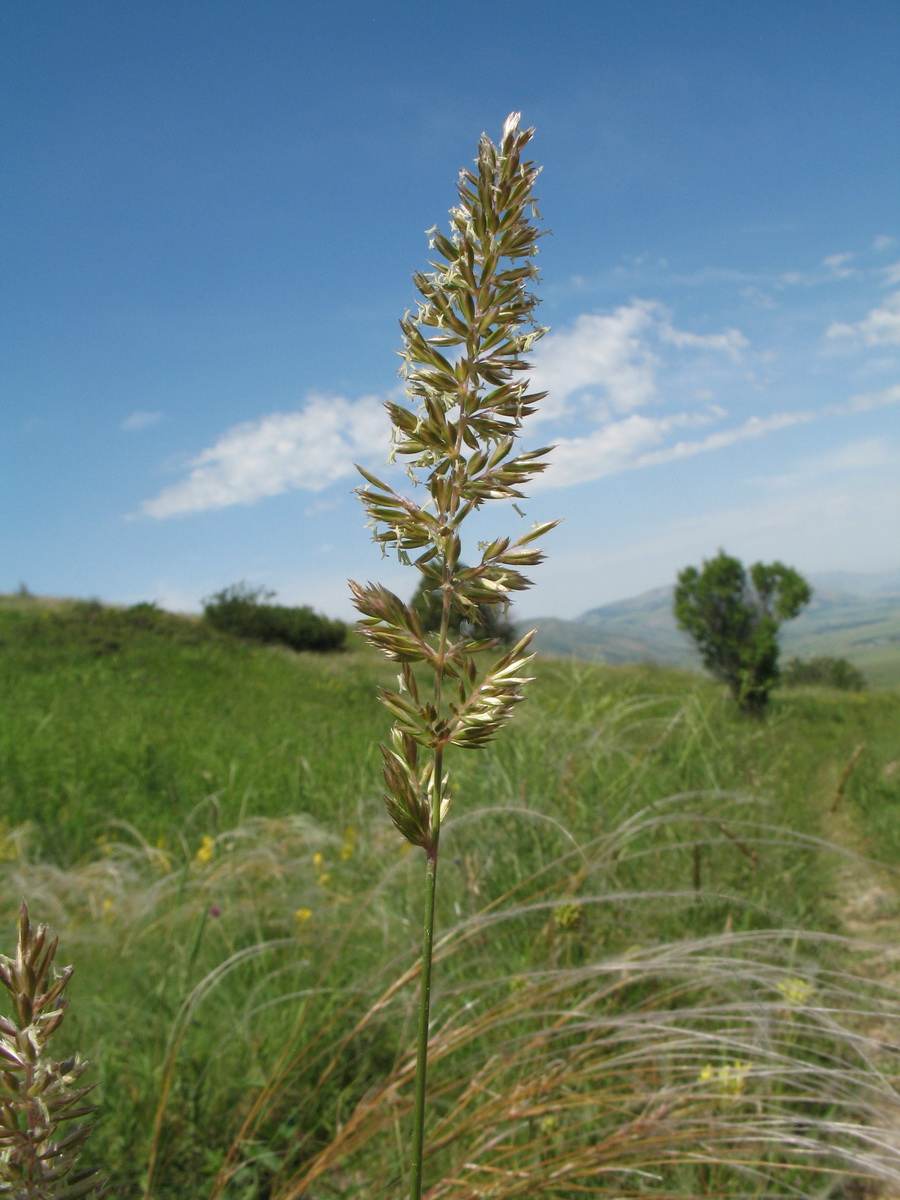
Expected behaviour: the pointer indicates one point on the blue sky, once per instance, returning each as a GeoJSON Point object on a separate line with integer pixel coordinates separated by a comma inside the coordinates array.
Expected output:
{"type": "Point", "coordinates": [212, 211]}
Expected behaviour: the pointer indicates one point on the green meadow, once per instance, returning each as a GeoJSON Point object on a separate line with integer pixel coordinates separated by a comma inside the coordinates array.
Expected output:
{"type": "Point", "coordinates": [640, 946]}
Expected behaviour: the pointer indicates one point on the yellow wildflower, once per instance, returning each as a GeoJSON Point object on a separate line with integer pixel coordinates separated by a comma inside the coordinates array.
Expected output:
{"type": "Point", "coordinates": [205, 851]}
{"type": "Point", "coordinates": [8, 849]}
{"type": "Point", "coordinates": [730, 1078]}
{"type": "Point", "coordinates": [348, 846]}
{"type": "Point", "coordinates": [733, 1077]}
{"type": "Point", "coordinates": [795, 991]}
{"type": "Point", "coordinates": [303, 915]}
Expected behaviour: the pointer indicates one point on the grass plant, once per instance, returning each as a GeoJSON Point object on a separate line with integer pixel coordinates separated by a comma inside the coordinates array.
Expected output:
{"type": "Point", "coordinates": [40, 1095]}
{"type": "Point", "coordinates": [576, 1047]}
{"type": "Point", "coordinates": [464, 370]}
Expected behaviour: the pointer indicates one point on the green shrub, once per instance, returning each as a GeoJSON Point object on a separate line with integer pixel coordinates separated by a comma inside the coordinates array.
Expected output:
{"type": "Point", "coordinates": [827, 672]}
{"type": "Point", "coordinates": [244, 611]}
{"type": "Point", "coordinates": [733, 615]}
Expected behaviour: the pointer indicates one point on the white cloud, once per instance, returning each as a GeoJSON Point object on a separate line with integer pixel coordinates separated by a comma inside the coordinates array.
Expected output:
{"type": "Point", "coordinates": [883, 242]}
{"type": "Point", "coordinates": [864, 455]}
{"type": "Point", "coordinates": [608, 351]}
{"type": "Point", "coordinates": [631, 443]}
{"type": "Point", "coordinates": [140, 420]}
{"type": "Point", "coordinates": [866, 402]}
{"type": "Point", "coordinates": [617, 446]}
{"type": "Point", "coordinates": [757, 296]}
{"type": "Point", "coordinates": [754, 427]}
{"type": "Point", "coordinates": [880, 326]}
{"type": "Point", "coordinates": [892, 274]}
{"type": "Point", "coordinates": [731, 342]}
{"type": "Point", "coordinates": [309, 449]}
{"type": "Point", "coordinates": [640, 441]}
{"type": "Point", "coordinates": [608, 362]}
{"type": "Point", "coordinates": [832, 267]}
{"type": "Point", "coordinates": [836, 265]}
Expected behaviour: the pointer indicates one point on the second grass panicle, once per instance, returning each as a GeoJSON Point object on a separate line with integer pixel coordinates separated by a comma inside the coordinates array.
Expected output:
{"type": "Point", "coordinates": [468, 392]}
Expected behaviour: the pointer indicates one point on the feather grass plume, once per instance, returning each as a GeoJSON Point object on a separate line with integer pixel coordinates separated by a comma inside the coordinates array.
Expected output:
{"type": "Point", "coordinates": [465, 379]}
{"type": "Point", "coordinates": [38, 1161]}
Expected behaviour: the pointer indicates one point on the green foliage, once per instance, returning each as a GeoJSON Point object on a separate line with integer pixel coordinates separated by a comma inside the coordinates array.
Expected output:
{"type": "Point", "coordinates": [39, 1150]}
{"type": "Point", "coordinates": [237, 731]}
{"type": "Point", "coordinates": [823, 671]}
{"type": "Point", "coordinates": [89, 629]}
{"type": "Point", "coordinates": [244, 611]}
{"type": "Point", "coordinates": [486, 620]}
{"type": "Point", "coordinates": [172, 733]}
{"type": "Point", "coordinates": [733, 619]}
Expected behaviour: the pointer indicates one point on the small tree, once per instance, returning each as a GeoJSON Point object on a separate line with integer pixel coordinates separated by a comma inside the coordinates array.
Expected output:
{"type": "Point", "coordinates": [485, 620]}
{"type": "Point", "coordinates": [733, 617]}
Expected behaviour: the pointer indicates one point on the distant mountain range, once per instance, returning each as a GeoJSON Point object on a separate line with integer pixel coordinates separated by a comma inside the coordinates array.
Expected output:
{"type": "Point", "coordinates": [850, 616]}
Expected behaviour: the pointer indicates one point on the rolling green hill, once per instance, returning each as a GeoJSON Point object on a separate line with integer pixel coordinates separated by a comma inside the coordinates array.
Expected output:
{"type": "Point", "coordinates": [200, 818]}
{"type": "Point", "coordinates": [847, 618]}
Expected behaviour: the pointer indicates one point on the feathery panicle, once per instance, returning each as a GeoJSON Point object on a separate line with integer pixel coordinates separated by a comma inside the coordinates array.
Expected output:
{"type": "Point", "coordinates": [468, 390]}
{"type": "Point", "coordinates": [38, 1159]}
{"type": "Point", "coordinates": [468, 394]}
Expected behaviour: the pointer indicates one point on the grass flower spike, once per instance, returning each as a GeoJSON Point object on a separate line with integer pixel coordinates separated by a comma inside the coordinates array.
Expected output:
{"type": "Point", "coordinates": [468, 390]}
{"type": "Point", "coordinates": [38, 1152]}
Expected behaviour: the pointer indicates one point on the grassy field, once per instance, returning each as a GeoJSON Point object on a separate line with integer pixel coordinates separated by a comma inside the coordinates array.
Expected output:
{"type": "Point", "coordinates": [632, 878]}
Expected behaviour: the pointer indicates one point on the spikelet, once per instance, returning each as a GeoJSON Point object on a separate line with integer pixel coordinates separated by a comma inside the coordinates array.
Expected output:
{"type": "Point", "coordinates": [39, 1096]}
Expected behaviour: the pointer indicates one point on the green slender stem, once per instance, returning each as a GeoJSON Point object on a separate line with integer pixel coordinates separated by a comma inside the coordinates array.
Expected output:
{"type": "Point", "coordinates": [431, 851]}
{"type": "Point", "coordinates": [418, 1139]}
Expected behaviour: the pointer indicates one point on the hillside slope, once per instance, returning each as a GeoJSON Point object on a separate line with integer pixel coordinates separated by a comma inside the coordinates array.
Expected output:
{"type": "Point", "coordinates": [856, 621]}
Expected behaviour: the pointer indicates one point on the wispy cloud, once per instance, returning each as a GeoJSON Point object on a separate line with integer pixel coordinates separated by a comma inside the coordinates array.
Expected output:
{"type": "Point", "coordinates": [861, 456]}
{"type": "Point", "coordinates": [639, 441]}
{"type": "Point", "coordinates": [140, 420]}
{"type": "Point", "coordinates": [607, 363]}
{"type": "Point", "coordinates": [309, 449]}
{"type": "Point", "coordinates": [636, 442]}
{"type": "Point", "coordinates": [837, 265]}
{"type": "Point", "coordinates": [607, 353]}
{"type": "Point", "coordinates": [599, 372]}
{"type": "Point", "coordinates": [880, 326]}
{"type": "Point", "coordinates": [865, 402]}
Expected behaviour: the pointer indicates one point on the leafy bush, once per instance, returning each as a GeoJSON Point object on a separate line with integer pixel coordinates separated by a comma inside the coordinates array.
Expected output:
{"type": "Point", "coordinates": [733, 617]}
{"type": "Point", "coordinates": [244, 611]}
{"type": "Point", "coordinates": [827, 672]}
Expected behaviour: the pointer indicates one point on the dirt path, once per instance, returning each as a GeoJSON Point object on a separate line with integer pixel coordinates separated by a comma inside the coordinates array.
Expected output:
{"type": "Point", "coordinates": [867, 905]}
